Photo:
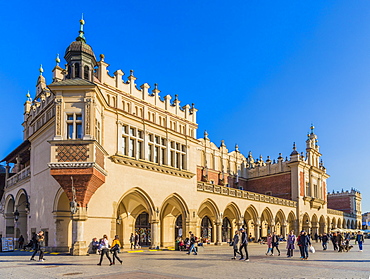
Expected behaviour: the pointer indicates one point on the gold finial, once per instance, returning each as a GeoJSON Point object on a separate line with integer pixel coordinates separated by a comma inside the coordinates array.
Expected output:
{"type": "Point", "coordinates": [82, 19]}
{"type": "Point", "coordinates": [57, 59]}
{"type": "Point", "coordinates": [28, 94]}
{"type": "Point", "coordinates": [41, 70]}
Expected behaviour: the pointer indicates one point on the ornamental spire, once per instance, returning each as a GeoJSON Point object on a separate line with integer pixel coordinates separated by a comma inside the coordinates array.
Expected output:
{"type": "Point", "coordinates": [81, 36]}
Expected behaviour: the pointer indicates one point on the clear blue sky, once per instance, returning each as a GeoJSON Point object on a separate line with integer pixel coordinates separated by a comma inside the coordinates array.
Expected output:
{"type": "Point", "coordinates": [260, 72]}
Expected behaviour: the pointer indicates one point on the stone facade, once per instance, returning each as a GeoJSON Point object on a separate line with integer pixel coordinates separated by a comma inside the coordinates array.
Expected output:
{"type": "Point", "coordinates": [104, 156]}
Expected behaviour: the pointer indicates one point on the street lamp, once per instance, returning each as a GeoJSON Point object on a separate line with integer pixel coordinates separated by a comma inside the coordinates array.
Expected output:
{"type": "Point", "coordinates": [16, 215]}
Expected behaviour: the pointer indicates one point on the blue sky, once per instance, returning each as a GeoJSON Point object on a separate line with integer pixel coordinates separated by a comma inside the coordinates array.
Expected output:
{"type": "Point", "coordinates": [260, 72]}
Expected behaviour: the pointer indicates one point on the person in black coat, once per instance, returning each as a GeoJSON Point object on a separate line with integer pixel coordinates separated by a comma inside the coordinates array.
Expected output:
{"type": "Point", "coordinates": [243, 244]}
{"type": "Point", "coordinates": [275, 243]}
{"type": "Point", "coordinates": [324, 240]}
{"type": "Point", "coordinates": [303, 242]}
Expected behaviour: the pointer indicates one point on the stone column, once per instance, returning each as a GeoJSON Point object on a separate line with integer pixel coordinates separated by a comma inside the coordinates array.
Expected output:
{"type": "Point", "coordinates": [257, 228]}
{"type": "Point", "coordinates": [79, 244]}
{"type": "Point", "coordinates": [272, 227]}
{"type": "Point", "coordinates": [218, 232]}
{"type": "Point", "coordinates": [155, 234]}
{"type": "Point", "coordinates": [283, 229]}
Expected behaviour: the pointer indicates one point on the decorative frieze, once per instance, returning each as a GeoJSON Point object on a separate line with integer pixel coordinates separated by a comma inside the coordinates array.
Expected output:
{"type": "Point", "coordinates": [226, 191]}
{"type": "Point", "coordinates": [123, 160]}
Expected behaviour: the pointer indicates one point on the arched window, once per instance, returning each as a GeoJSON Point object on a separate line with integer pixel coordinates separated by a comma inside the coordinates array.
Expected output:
{"type": "Point", "coordinates": [77, 70]}
{"type": "Point", "coordinates": [86, 72]}
{"type": "Point", "coordinates": [226, 230]}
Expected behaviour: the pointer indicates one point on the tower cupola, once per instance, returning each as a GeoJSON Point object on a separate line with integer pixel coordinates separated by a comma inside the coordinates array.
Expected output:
{"type": "Point", "coordinates": [80, 57]}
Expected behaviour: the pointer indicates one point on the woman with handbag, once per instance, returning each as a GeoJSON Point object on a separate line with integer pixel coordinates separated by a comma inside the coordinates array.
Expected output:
{"type": "Point", "coordinates": [116, 244]}
{"type": "Point", "coordinates": [103, 247]}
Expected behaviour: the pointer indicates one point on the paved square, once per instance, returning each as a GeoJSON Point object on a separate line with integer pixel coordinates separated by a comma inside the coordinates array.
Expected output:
{"type": "Point", "coordinates": [211, 262]}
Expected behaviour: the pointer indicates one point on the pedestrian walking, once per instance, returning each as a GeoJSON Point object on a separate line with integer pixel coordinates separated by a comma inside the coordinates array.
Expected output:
{"type": "Point", "coordinates": [137, 241]}
{"type": "Point", "coordinates": [340, 241]}
{"type": "Point", "coordinates": [275, 243]}
{"type": "Point", "coordinates": [324, 243]}
{"type": "Point", "coordinates": [192, 245]}
{"type": "Point", "coordinates": [290, 244]}
{"type": "Point", "coordinates": [20, 242]}
{"type": "Point", "coordinates": [104, 249]}
{"type": "Point", "coordinates": [334, 241]}
{"type": "Point", "coordinates": [269, 244]}
{"type": "Point", "coordinates": [236, 244]}
{"type": "Point", "coordinates": [39, 246]}
{"type": "Point", "coordinates": [132, 241]}
{"type": "Point", "coordinates": [243, 244]}
{"type": "Point", "coordinates": [360, 240]}
{"type": "Point", "coordinates": [303, 242]}
{"type": "Point", "coordinates": [116, 245]}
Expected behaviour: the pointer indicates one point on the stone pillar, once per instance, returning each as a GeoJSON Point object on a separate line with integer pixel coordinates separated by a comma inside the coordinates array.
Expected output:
{"type": "Point", "coordinates": [272, 227]}
{"type": "Point", "coordinates": [155, 234]}
{"type": "Point", "coordinates": [79, 244]}
{"type": "Point", "coordinates": [218, 232]}
{"type": "Point", "coordinates": [257, 228]}
{"type": "Point", "coordinates": [283, 229]}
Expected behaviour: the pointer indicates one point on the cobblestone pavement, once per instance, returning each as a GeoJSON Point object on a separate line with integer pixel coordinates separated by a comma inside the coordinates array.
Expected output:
{"type": "Point", "coordinates": [211, 262]}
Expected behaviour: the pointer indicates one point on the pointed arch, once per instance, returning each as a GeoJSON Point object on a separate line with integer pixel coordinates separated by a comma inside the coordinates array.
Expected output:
{"type": "Point", "coordinates": [234, 209]}
{"type": "Point", "coordinates": [173, 214]}
{"type": "Point", "coordinates": [138, 193]}
{"type": "Point", "coordinates": [291, 222]}
{"type": "Point", "coordinates": [212, 209]}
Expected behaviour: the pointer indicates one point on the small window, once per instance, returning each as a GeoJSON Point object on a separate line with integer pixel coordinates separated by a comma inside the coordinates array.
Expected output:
{"type": "Point", "coordinates": [86, 72]}
{"type": "Point", "coordinates": [77, 70]}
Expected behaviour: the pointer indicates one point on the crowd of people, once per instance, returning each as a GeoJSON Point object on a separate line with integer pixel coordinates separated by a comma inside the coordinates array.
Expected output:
{"type": "Point", "coordinates": [340, 242]}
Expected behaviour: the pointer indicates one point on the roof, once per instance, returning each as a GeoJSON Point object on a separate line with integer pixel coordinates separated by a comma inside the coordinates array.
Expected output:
{"type": "Point", "coordinates": [21, 148]}
{"type": "Point", "coordinates": [80, 46]}
{"type": "Point", "coordinates": [76, 81]}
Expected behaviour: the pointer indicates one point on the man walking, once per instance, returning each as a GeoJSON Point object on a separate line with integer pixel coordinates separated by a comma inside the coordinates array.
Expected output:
{"type": "Point", "coordinates": [325, 239]}
{"type": "Point", "coordinates": [360, 240]}
{"type": "Point", "coordinates": [303, 242]}
{"type": "Point", "coordinates": [192, 245]}
{"type": "Point", "coordinates": [243, 244]}
{"type": "Point", "coordinates": [275, 243]}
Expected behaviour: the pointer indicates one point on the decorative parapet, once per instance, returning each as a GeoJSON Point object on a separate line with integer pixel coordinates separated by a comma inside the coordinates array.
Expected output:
{"type": "Point", "coordinates": [141, 164]}
{"type": "Point", "coordinates": [23, 174]}
{"type": "Point", "coordinates": [335, 212]}
{"type": "Point", "coordinates": [226, 191]}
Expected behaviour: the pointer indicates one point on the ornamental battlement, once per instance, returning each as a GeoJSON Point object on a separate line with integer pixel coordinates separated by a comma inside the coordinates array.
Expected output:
{"type": "Point", "coordinates": [352, 192]}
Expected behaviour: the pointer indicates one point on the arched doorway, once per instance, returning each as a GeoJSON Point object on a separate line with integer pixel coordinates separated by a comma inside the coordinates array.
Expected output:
{"type": "Point", "coordinates": [266, 222]}
{"type": "Point", "coordinates": [22, 208]}
{"type": "Point", "coordinates": [208, 214]}
{"type": "Point", "coordinates": [9, 216]}
{"type": "Point", "coordinates": [280, 223]}
{"type": "Point", "coordinates": [173, 219]}
{"type": "Point", "coordinates": [206, 229]}
{"type": "Point", "coordinates": [250, 219]}
{"type": "Point", "coordinates": [143, 229]}
{"type": "Point", "coordinates": [136, 213]}
{"type": "Point", "coordinates": [63, 223]}
{"type": "Point", "coordinates": [226, 230]}
{"type": "Point", "coordinates": [292, 223]}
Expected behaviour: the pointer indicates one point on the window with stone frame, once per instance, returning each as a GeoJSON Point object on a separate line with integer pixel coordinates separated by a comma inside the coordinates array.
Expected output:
{"type": "Point", "coordinates": [157, 149]}
{"type": "Point", "coordinates": [74, 126]}
{"type": "Point", "coordinates": [97, 131]}
{"type": "Point", "coordinates": [178, 155]}
{"type": "Point", "coordinates": [132, 142]}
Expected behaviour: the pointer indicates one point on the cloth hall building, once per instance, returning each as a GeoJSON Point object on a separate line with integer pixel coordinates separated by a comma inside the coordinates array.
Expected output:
{"type": "Point", "coordinates": [102, 155]}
